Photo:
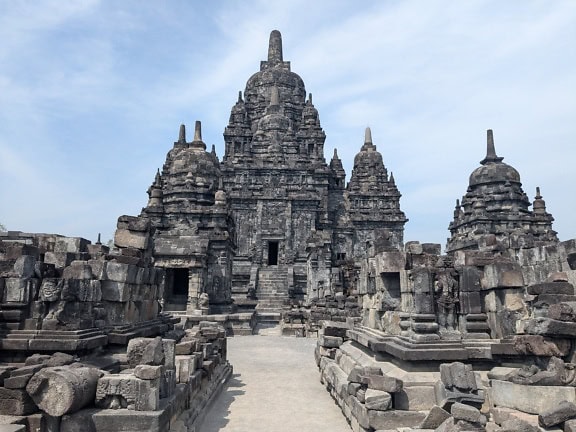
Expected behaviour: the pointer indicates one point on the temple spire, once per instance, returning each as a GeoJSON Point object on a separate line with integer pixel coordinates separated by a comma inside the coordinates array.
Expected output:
{"type": "Point", "coordinates": [182, 134]}
{"type": "Point", "coordinates": [197, 142]}
{"type": "Point", "coordinates": [490, 150]}
{"type": "Point", "coordinates": [275, 48]}
{"type": "Point", "coordinates": [367, 136]}
{"type": "Point", "coordinates": [240, 96]}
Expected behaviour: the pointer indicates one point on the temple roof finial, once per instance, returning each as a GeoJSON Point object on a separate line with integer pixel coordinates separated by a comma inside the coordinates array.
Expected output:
{"type": "Point", "coordinates": [240, 96]}
{"type": "Point", "coordinates": [310, 98]}
{"type": "Point", "coordinates": [197, 143]}
{"type": "Point", "coordinates": [335, 154]}
{"type": "Point", "coordinates": [538, 196]}
{"type": "Point", "coordinates": [367, 136]}
{"type": "Point", "coordinates": [98, 242]}
{"type": "Point", "coordinates": [490, 150]}
{"type": "Point", "coordinates": [275, 47]}
{"type": "Point", "coordinates": [198, 131]}
{"type": "Point", "coordinates": [182, 134]}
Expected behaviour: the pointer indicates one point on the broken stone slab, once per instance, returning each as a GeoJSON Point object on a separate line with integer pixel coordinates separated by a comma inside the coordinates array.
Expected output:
{"type": "Point", "coordinates": [458, 376]}
{"type": "Point", "coordinates": [334, 328]}
{"type": "Point", "coordinates": [570, 426]}
{"type": "Point", "coordinates": [24, 266]}
{"type": "Point", "coordinates": [468, 413]}
{"type": "Point", "coordinates": [518, 425]}
{"type": "Point", "coordinates": [16, 402]}
{"type": "Point", "coordinates": [415, 398]}
{"type": "Point", "coordinates": [382, 382]}
{"type": "Point", "coordinates": [551, 288]}
{"type": "Point", "coordinates": [377, 400]}
{"type": "Point", "coordinates": [116, 391]}
{"type": "Point", "coordinates": [549, 327]}
{"type": "Point", "coordinates": [394, 419]}
{"type": "Point", "coordinates": [542, 346]}
{"type": "Point", "coordinates": [145, 351]}
{"type": "Point", "coordinates": [565, 311]}
{"type": "Point", "coordinates": [148, 372]}
{"type": "Point", "coordinates": [61, 390]}
{"type": "Point", "coordinates": [558, 414]}
{"type": "Point", "coordinates": [330, 341]}
{"type": "Point", "coordinates": [435, 417]}
{"type": "Point", "coordinates": [530, 399]}
{"type": "Point", "coordinates": [358, 372]}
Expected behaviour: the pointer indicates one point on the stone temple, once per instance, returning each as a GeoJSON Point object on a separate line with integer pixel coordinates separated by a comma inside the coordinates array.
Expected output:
{"type": "Point", "coordinates": [273, 221]}
{"type": "Point", "coordinates": [272, 239]}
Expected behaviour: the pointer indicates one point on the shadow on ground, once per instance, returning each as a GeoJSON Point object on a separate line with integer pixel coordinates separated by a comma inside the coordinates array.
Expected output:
{"type": "Point", "coordinates": [220, 410]}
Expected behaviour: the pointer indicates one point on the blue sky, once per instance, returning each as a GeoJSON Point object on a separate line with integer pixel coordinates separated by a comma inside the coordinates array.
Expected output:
{"type": "Point", "coordinates": [92, 94]}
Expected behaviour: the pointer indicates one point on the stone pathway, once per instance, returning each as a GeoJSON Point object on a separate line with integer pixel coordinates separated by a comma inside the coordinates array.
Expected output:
{"type": "Point", "coordinates": [275, 387]}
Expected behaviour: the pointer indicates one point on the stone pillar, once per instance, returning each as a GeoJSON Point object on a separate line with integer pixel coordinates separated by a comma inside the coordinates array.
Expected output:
{"type": "Point", "coordinates": [194, 290]}
{"type": "Point", "coordinates": [424, 326]}
{"type": "Point", "coordinates": [473, 320]}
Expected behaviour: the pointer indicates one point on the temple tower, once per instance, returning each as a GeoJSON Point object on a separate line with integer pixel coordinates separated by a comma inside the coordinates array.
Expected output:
{"type": "Point", "coordinates": [495, 210]}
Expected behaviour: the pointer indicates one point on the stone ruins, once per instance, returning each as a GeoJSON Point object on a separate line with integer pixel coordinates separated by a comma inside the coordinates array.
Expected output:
{"type": "Point", "coordinates": [480, 338]}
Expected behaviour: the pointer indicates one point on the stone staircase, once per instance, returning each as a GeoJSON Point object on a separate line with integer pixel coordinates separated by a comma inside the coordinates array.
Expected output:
{"type": "Point", "coordinates": [272, 292]}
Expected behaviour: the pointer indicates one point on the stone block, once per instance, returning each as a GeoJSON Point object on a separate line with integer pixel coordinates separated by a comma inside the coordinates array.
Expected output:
{"type": "Point", "coordinates": [502, 275]}
{"type": "Point", "coordinates": [551, 288]}
{"type": "Point", "coordinates": [468, 413]}
{"type": "Point", "coordinates": [16, 290]}
{"type": "Point", "coordinates": [541, 346]}
{"type": "Point", "coordinates": [71, 245]}
{"type": "Point", "coordinates": [120, 272]}
{"type": "Point", "coordinates": [415, 398]}
{"type": "Point", "coordinates": [115, 291]}
{"type": "Point", "coordinates": [169, 349]}
{"type": "Point", "coordinates": [330, 341]}
{"type": "Point", "coordinates": [459, 376]}
{"type": "Point", "coordinates": [549, 327]}
{"type": "Point", "coordinates": [530, 399]}
{"type": "Point", "coordinates": [377, 400]}
{"type": "Point", "coordinates": [59, 259]}
{"type": "Point", "coordinates": [133, 223]}
{"type": "Point", "coordinates": [570, 426]}
{"type": "Point", "coordinates": [558, 414]}
{"type": "Point", "coordinates": [382, 382]}
{"type": "Point", "coordinates": [78, 270]}
{"type": "Point", "coordinates": [16, 402]}
{"type": "Point", "coordinates": [435, 417]}
{"type": "Point", "coordinates": [148, 372]}
{"type": "Point", "coordinates": [83, 290]}
{"type": "Point", "coordinates": [116, 391]}
{"type": "Point", "coordinates": [184, 368]}
{"type": "Point", "coordinates": [394, 419]}
{"type": "Point", "coordinates": [24, 266]}
{"type": "Point", "coordinates": [124, 238]}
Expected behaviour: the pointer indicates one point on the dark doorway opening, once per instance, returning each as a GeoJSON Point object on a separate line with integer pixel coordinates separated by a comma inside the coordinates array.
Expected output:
{"type": "Point", "coordinates": [180, 284]}
{"type": "Point", "coordinates": [273, 253]}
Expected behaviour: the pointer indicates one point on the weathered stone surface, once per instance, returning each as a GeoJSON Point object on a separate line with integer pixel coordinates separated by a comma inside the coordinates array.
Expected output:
{"type": "Point", "coordinates": [435, 417]}
{"type": "Point", "coordinates": [415, 398]}
{"type": "Point", "coordinates": [541, 346]}
{"type": "Point", "coordinates": [565, 311]}
{"type": "Point", "coordinates": [62, 390]}
{"type": "Point", "coordinates": [549, 327]}
{"type": "Point", "coordinates": [551, 288]}
{"type": "Point", "coordinates": [127, 391]}
{"type": "Point", "coordinates": [558, 414]}
{"type": "Point", "coordinates": [382, 382]}
{"type": "Point", "coordinates": [377, 400]}
{"type": "Point", "coordinates": [394, 419]}
{"type": "Point", "coordinates": [533, 399]}
{"type": "Point", "coordinates": [148, 372]}
{"type": "Point", "coordinates": [16, 402]}
{"type": "Point", "coordinates": [330, 341]}
{"type": "Point", "coordinates": [468, 413]}
{"type": "Point", "coordinates": [517, 425]}
{"type": "Point", "coordinates": [459, 376]}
